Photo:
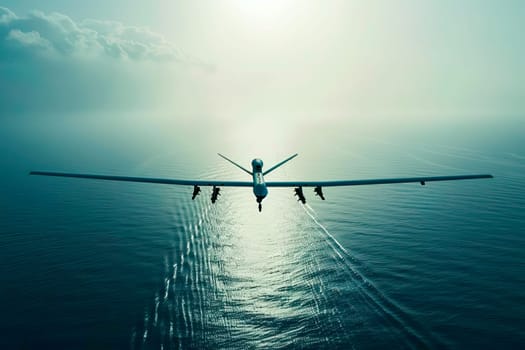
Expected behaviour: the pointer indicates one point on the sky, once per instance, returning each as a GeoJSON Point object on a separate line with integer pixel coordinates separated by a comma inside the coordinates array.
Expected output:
{"type": "Point", "coordinates": [273, 61]}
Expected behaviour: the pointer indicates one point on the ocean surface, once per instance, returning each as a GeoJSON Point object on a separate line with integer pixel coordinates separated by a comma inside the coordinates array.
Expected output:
{"type": "Point", "coordinates": [106, 265]}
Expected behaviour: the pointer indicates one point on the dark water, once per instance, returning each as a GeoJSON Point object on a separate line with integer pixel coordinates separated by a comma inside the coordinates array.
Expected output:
{"type": "Point", "coordinates": [87, 264]}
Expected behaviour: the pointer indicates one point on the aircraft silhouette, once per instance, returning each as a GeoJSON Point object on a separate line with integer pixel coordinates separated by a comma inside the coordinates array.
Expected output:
{"type": "Point", "coordinates": [258, 183]}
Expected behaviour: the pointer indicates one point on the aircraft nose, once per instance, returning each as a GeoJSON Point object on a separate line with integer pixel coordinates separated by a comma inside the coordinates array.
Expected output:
{"type": "Point", "coordinates": [257, 162]}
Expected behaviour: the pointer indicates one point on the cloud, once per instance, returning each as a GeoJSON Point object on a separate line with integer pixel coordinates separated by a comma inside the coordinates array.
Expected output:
{"type": "Point", "coordinates": [6, 15]}
{"type": "Point", "coordinates": [56, 34]}
{"type": "Point", "coordinates": [50, 64]}
{"type": "Point", "coordinates": [31, 39]}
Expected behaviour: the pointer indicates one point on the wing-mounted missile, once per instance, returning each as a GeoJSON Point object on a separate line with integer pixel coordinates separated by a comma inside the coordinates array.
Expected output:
{"type": "Point", "coordinates": [196, 191]}
{"type": "Point", "coordinates": [215, 194]}
{"type": "Point", "coordinates": [300, 195]}
{"type": "Point", "coordinates": [319, 192]}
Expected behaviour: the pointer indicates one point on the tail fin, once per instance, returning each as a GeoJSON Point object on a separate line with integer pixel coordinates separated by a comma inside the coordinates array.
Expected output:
{"type": "Point", "coordinates": [279, 164]}
{"type": "Point", "coordinates": [237, 165]}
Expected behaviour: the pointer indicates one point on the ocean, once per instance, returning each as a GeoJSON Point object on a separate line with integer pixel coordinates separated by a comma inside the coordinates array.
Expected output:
{"type": "Point", "coordinates": [107, 265]}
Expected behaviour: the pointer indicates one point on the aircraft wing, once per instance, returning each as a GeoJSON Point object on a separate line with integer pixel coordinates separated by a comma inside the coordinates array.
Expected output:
{"type": "Point", "coordinates": [422, 180]}
{"type": "Point", "coordinates": [149, 179]}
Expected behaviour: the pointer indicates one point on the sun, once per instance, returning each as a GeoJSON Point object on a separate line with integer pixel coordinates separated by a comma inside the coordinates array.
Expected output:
{"type": "Point", "coordinates": [263, 10]}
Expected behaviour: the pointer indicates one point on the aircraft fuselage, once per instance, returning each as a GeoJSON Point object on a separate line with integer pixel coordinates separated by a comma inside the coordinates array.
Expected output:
{"type": "Point", "coordinates": [259, 186]}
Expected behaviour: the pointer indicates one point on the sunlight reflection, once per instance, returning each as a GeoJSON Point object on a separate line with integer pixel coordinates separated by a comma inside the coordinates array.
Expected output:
{"type": "Point", "coordinates": [265, 268]}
